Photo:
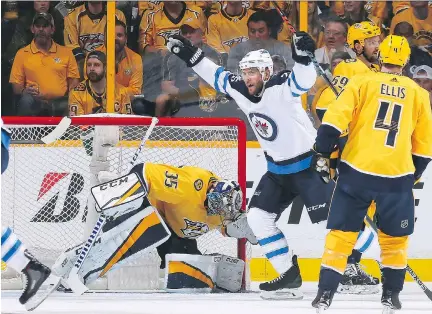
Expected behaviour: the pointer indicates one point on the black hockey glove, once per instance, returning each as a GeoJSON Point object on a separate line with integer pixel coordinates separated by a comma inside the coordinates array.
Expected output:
{"type": "Point", "coordinates": [184, 49]}
{"type": "Point", "coordinates": [302, 45]}
{"type": "Point", "coordinates": [321, 164]}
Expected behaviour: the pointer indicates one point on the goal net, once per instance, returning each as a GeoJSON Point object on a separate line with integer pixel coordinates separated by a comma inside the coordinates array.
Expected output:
{"type": "Point", "coordinates": [46, 186]}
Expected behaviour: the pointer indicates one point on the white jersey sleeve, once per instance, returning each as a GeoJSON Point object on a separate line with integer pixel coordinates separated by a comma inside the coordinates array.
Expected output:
{"type": "Point", "coordinates": [276, 116]}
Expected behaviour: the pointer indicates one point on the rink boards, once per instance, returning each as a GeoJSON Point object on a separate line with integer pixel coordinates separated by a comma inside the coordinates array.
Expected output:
{"type": "Point", "coordinates": [307, 240]}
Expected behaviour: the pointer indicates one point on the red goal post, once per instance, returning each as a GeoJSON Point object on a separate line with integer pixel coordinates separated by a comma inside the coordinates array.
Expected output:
{"type": "Point", "coordinates": [45, 188]}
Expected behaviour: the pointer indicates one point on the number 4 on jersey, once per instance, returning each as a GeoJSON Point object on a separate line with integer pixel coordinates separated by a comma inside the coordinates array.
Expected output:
{"type": "Point", "coordinates": [392, 128]}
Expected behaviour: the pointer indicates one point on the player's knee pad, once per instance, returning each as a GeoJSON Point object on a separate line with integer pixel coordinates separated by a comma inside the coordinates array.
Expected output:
{"type": "Point", "coordinates": [185, 273]}
{"type": "Point", "coordinates": [271, 239]}
{"type": "Point", "coordinates": [393, 250]}
{"type": "Point", "coordinates": [338, 246]}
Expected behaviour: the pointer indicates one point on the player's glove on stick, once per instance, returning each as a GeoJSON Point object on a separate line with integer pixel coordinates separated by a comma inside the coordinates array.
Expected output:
{"type": "Point", "coordinates": [184, 49]}
{"type": "Point", "coordinates": [321, 164]}
{"type": "Point", "coordinates": [301, 46]}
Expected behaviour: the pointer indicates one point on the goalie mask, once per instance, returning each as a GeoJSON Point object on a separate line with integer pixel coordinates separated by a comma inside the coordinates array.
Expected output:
{"type": "Point", "coordinates": [225, 198]}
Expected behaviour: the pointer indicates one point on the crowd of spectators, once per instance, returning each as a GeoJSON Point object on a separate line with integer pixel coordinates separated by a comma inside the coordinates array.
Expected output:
{"type": "Point", "coordinates": [54, 52]}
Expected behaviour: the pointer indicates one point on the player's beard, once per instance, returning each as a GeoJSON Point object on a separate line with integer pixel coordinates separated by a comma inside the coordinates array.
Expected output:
{"type": "Point", "coordinates": [119, 46]}
{"type": "Point", "coordinates": [94, 77]}
{"type": "Point", "coordinates": [373, 58]}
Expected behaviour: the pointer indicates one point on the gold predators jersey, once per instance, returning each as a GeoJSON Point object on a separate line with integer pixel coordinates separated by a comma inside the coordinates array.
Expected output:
{"type": "Point", "coordinates": [86, 30]}
{"type": "Point", "coordinates": [389, 119]}
{"type": "Point", "coordinates": [342, 73]}
{"type": "Point", "coordinates": [83, 100]}
{"type": "Point", "coordinates": [179, 193]}
{"type": "Point", "coordinates": [157, 26]}
{"type": "Point", "coordinates": [225, 31]}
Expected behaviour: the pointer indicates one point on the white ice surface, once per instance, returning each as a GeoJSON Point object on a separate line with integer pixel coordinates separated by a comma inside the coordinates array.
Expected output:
{"type": "Point", "coordinates": [413, 299]}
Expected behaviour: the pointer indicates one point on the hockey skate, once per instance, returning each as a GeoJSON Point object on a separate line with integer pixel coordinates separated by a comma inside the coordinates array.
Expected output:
{"type": "Point", "coordinates": [323, 300]}
{"type": "Point", "coordinates": [390, 301]}
{"type": "Point", "coordinates": [285, 286]}
{"type": "Point", "coordinates": [356, 281]}
{"type": "Point", "coordinates": [38, 285]}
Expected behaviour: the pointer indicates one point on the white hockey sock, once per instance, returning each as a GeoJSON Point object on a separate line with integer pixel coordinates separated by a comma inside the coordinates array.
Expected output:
{"type": "Point", "coordinates": [270, 238]}
{"type": "Point", "coordinates": [365, 239]}
{"type": "Point", "coordinates": [13, 250]}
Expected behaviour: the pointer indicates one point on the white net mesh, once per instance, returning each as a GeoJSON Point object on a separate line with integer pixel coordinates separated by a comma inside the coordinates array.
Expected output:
{"type": "Point", "coordinates": [45, 188]}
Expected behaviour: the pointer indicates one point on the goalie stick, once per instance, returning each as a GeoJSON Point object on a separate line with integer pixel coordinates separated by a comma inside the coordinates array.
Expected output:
{"type": "Point", "coordinates": [408, 268]}
{"type": "Point", "coordinates": [73, 279]}
{"type": "Point", "coordinates": [317, 66]}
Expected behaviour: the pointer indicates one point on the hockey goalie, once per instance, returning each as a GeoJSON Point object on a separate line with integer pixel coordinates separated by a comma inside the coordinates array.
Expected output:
{"type": "Point", "coordinates": [163, 207]}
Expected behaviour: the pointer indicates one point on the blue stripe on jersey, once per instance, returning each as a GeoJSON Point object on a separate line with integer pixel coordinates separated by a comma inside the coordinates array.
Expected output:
{"type": "Point", "coordinates": [289, 84]}
{"type": "Point", "coordinates": [225, 83]}
{"type": "Point", "coordinates": [6, 235]}
{"type": "Point", "coordinates": [12, 251]}
{"type": "Point", "coordinates": [277, 252]}
{"type": "Point", "coordinates": [296, 84]}
{"type": "Point", "coordinates": [367, 244]}
{"type": "Point", "coordinates": [216, 81]}
{"type": "Point", "coordinates": [291, 168]}
{"type": "Point", "coordinates": [271, 239]}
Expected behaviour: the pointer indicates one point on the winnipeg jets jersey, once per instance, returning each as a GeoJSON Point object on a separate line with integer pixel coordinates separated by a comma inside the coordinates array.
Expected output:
{"type": "Point", "coordinates": [277, 117]}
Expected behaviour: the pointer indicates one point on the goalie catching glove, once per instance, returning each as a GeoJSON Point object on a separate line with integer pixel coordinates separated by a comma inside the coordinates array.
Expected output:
{"type": "Point", "coordinates": [184, 49]}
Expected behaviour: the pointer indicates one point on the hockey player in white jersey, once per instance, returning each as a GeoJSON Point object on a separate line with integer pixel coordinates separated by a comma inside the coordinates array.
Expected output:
{"type": "Point", "coordinates": [273, 106]}
{"type": "Point", "coordinates": [16, 256]}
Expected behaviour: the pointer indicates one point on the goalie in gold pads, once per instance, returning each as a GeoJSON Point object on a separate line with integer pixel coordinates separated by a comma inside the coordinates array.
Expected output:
{"type": "Point", "coordinates": [192, 201]}
{"type": "Point", "coordinates": [389, 122]}
{"type": "Point", "coordinates": [167, 208]}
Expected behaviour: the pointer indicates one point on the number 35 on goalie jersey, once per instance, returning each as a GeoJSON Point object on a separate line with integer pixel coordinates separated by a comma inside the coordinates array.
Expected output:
{"type": "Point", "coordinates": [389, 120]}
{"type": "Point", "coordinates": [178, 193]}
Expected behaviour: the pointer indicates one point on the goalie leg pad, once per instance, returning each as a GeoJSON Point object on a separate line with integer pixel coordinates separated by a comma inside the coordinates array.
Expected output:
{"type": "Point", "coordinates": [230, 273]}
{"type": "Point", "coordinates": [121, 241]}
{"type": "Point", "coordinates": [190, 273]}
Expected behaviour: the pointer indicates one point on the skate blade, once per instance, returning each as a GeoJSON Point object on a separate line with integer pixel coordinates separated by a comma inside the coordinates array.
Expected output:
{"type": "Point", "coordinates": [388, 310]}
{"type": "Point", "coordinates": [321, 308]}
{"type": "Point", "coordinates": [48, 287]}
{"type": "Point", "coordinates": [344, 289]}
{"type": "Point", "coordinates": [284, 294]}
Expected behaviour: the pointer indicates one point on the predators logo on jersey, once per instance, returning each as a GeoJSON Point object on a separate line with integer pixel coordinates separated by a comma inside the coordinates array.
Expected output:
{"type": "Point", "coordinates": [194, 229]}
{"type": "Point", "coordinates": [86, 30]}
{"type": "Point", "coordinates": [225, 31]}
{"type": "Point", "coordinates": [179, 194]}
{"type": "Point", "coordinates": [157, 25]}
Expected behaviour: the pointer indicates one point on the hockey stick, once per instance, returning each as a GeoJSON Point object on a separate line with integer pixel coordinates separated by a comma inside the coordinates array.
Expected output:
{"type": "Point", "coordinates": [59, 130]}
{"type": "Point", "coordinates": [73, 280]}
{"type": "Point", "coordinates": [317, 66]}
{"type": "Point", "coordinates": [408, 268]}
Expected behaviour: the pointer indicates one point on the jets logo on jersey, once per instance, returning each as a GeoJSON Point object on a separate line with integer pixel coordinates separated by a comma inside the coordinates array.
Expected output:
{"type": "Point", "coordinates": [264, 125]}
{"type": "Point", "coordinates": [194, 229]}
{"type": "Point", "coordinates": [165, 34]}
{"type": "Point", "coordinates": [236, 40]}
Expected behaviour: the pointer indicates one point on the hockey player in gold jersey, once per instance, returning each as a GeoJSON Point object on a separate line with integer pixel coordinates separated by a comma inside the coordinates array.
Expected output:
{"type": "Point", "coordinates": [389, 121]}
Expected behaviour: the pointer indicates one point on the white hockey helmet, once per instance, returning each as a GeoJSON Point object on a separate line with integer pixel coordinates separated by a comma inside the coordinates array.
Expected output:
{"type": "Point", "coordinates": [260, 59]}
